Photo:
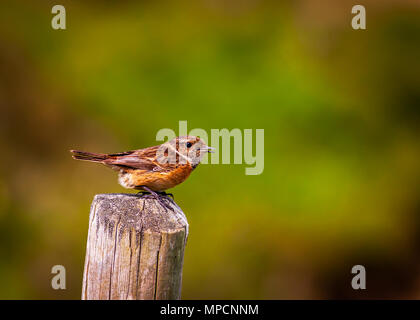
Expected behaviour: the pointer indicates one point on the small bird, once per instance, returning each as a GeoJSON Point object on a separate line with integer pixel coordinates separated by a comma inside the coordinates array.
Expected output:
{"type": "Point", "coordinates": [154, 169]}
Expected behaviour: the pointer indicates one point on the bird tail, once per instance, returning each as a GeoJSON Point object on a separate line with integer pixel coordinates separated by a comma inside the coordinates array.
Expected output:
{"type": "Point", "coordinates": [88, 156]}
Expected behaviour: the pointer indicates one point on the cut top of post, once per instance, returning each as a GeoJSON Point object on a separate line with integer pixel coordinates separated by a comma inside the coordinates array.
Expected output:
{"type": "Point", "coordinates": [132, 211]}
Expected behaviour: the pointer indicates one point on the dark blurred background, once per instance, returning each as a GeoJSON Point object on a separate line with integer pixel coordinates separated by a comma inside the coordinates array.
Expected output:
{"type": "Point", "coordinates": [340, 109]}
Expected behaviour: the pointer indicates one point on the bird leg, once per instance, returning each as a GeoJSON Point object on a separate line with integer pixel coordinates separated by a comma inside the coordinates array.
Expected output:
{"type": "Point", "coordinates": [157, 195]}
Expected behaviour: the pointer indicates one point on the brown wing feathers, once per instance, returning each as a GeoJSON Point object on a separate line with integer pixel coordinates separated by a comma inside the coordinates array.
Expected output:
{"type": "Point", "coordinates": [138, 159]}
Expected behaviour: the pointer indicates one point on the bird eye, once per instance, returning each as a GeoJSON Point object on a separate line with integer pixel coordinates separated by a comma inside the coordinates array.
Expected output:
{"type": "Point", "coordinates": [189, 144]}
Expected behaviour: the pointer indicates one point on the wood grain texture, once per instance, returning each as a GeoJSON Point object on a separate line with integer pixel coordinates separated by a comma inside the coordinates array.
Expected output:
{"type": "Point", "coordinates": [135, 249]}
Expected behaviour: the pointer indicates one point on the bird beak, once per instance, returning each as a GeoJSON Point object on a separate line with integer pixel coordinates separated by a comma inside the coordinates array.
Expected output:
{"type": "Point", "coordinates": [210, 149]}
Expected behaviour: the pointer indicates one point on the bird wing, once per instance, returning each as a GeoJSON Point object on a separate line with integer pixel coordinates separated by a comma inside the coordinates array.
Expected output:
{"type": "Point", "coordinates": [143, 159]}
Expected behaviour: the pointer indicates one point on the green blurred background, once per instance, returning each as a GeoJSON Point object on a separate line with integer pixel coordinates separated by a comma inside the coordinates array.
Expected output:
{"type": "Point", "coordinates": [340, 110]}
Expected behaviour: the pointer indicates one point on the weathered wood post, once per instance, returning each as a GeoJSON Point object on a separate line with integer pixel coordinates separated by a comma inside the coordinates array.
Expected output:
{"type": "Point", "coordinates": [135, 249]}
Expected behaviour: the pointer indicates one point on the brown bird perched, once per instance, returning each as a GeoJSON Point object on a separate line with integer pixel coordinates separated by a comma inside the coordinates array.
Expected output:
{"type": "Point", "coordinates": [155, 169]}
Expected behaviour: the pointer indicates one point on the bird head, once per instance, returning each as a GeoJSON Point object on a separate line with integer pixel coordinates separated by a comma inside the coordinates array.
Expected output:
{"type": "Point", "coordinates": [186, 149]}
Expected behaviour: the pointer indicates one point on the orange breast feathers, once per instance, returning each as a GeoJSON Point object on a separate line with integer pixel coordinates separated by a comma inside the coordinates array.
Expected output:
{"type": "Point", "coordinates": [157, 181]}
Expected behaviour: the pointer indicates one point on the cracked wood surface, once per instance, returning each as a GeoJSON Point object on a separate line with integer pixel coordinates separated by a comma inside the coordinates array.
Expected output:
{"type": "Point", "coordinates": [135, 249]}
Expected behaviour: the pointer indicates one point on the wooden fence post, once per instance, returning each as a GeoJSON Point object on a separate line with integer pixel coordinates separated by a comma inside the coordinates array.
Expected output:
{"type": "Point", "coordinates": [135, 249]}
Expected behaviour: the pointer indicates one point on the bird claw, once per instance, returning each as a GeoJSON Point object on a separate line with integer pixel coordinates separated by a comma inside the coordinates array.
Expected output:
{"type": "Point", "coordinates": [163, 193]}
{"type": "Point", "coordinates": [164, 204]}
{"type": "Point", "coordinates": [158, 196]}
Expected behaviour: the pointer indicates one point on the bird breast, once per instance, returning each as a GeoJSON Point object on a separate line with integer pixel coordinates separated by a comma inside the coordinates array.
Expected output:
{"type": "Point", "coordinates": [155, 180]}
